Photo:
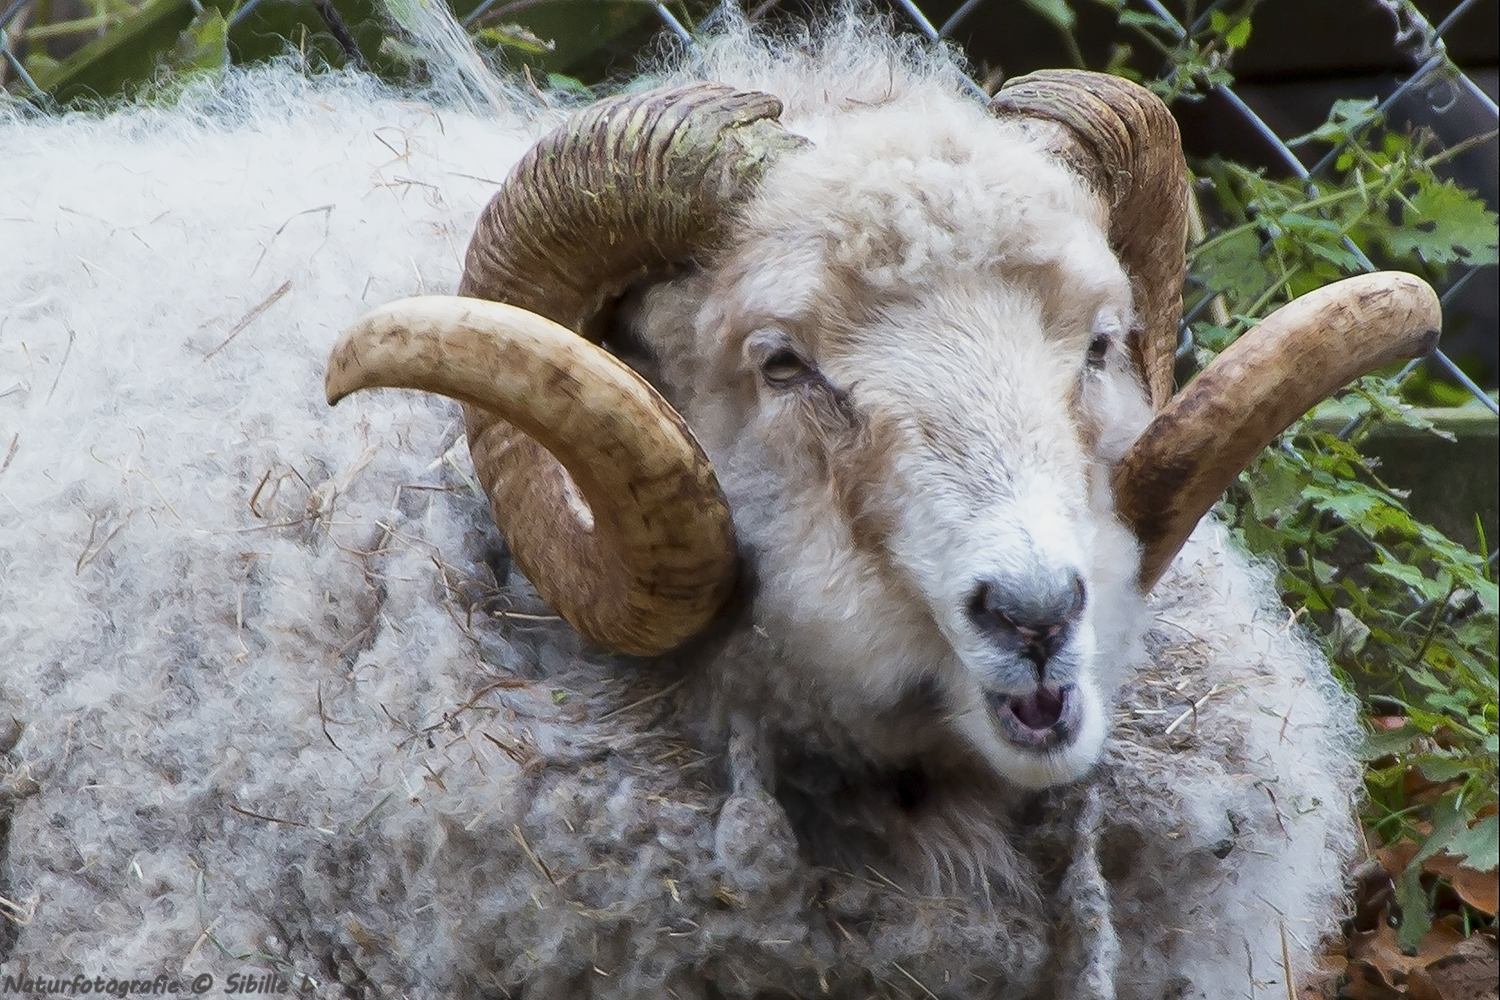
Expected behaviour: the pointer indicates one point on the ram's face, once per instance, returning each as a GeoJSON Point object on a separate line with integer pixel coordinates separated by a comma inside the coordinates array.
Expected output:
{"type": "Point", "coordinates": [910, 359]}
{"type": "Point", "coordinates": [915, 374]}
{"type": "Point", "coordinates": [913, 365]}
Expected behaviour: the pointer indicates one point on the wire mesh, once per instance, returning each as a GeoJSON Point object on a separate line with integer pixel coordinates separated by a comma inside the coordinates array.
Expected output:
{"type": "Point", "coordinates": [1432, 63]}
{"type": "Point", "coordinates": [1433, 81]}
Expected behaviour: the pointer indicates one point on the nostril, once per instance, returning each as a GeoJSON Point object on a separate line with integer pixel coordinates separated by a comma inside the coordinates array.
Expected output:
{"type": "Point", "coordinates": [992, 609]}
{"type": "Point", "coordinates": [1030, 619]}
{"type": "Point", "coordinates": [1077, 597]}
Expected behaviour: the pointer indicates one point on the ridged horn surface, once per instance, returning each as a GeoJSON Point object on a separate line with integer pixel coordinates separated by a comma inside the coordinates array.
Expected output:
{"type": "Point", "coordinates": [1121, 139]}
{"type": "Point", "coordinates": [626, 191]}
{"type": "Point", "coordinates": [1254, 390]}
{"type": "Point", "coordinates": [628, 188]}
{"type": "Point", "coordinates": [649, 576]}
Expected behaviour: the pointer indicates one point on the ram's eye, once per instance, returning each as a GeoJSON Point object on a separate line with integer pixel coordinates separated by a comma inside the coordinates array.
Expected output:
{"type": "Point", "coordinates": [1098, 350]}
{"type": "Point", "coordinates": [783, 368]}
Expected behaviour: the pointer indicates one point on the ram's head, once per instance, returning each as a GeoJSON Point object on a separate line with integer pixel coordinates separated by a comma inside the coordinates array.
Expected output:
{"type": "Point", "coordinates": [930, 357]}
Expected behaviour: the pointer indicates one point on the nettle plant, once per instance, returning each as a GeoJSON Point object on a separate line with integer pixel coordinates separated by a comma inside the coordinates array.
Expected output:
{"type": "Point", "coordinates": [1408, 614]}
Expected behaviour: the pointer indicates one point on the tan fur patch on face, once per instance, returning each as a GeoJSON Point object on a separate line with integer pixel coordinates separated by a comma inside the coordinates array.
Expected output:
{"type": "Point", "coordinates": [855, 471]}
{"type": "Point", "coordinates": [891, 370]}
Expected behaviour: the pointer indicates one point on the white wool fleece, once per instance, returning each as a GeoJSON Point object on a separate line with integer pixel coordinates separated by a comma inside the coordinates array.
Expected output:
{"type": "Point", "coordinates": [274, 713]}
{"type": "Point", "coordinates": [218, 597]}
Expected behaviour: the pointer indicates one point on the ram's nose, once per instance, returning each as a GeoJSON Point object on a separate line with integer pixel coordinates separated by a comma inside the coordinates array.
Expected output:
{"type": "Point", "coordinates": [1031, 618]}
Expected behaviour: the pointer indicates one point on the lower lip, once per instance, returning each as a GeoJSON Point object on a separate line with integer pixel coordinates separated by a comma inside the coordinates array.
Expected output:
{"type": "Point", "coordinates": [1056, 736]}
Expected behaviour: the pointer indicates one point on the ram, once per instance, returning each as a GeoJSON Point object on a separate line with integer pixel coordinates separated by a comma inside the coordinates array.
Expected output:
{"type": "Point", "coordinates": [868, 511]}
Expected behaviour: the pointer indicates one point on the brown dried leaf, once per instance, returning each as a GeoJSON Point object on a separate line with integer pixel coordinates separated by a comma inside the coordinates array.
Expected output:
{"type": "Point", "coordinates": [1419, 987]}
{"type": "Point", "coordinates": [1480, 890]}
{"type": "Point", "coordinates": [1395, 857]}
{"type": "Point", "coordinates": [1323, 984]}
{"type": "Point", "coordinates": [1470, 971]}
{"type": "Point", "coordinates": [1366, 984]}
{"type": "Point", "coordinates": [1378, 950]}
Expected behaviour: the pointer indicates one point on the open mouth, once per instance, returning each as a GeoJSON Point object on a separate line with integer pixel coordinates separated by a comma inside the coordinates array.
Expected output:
{"type": "Point", "coordinates": [1044, 719]}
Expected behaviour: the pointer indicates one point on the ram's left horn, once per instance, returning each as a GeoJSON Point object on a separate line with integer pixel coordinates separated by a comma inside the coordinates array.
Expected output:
{"type": "Point", "coordinates": [638, 576]}
{"type": "Point", "coordinates": [1295, 358]}
{"type": "Point", "coordinates": [1122, 142]}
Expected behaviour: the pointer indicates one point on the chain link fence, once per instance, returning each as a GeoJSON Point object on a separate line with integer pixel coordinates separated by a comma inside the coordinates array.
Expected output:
{"type": "Point", "coordinates": [1429, 89]}
{"type": "Point", "coordinates": [1442, 86]}
{"type": "Point", "coordinates": [1424, 88]}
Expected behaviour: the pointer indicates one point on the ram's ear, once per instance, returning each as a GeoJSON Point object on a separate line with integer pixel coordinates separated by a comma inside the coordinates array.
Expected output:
{"type": "Point", "coordinates": [1298, 356]}
{"type": "Point", "coordinates": [614, 515]}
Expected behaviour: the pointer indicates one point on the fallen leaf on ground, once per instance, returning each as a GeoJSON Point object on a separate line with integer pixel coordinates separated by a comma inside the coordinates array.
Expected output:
{"type": "Point", "coordinates": [1379, 950]}
{"type": "Point", "coordinates": [1480, 890]}
{"type": "Point", "coordinates": [1470, 971]}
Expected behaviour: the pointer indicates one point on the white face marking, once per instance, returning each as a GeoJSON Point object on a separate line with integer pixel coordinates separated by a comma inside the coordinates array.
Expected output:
{"type": "Point", "coordinates": [911, 387]}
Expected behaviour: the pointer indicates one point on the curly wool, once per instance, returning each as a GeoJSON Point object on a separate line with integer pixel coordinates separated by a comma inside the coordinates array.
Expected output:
{"type": "Point", "coordinates": [283, 707]}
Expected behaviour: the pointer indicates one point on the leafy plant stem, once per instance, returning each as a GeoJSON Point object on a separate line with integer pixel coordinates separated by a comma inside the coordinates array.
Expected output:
{"type": "Point", "coordinates": [1432, 625]}
{"type": "Point", "coordinates": [1270, 293]}
{"type": "Point", "coordinates": [1460, 148]}
{"type": "Point", "coordinates": [1311, 205]}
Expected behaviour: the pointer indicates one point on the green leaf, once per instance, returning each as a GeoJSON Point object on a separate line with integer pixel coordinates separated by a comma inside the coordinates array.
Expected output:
{"type": "Point", "coordinates": [1233, 266]}
{"type": "Point", "coordinates": [1345, 119]}
{"type": "Point", "coordinates": [1308, 226]}
{"type": "Point", "coordinates": [1443, 768]}
{"type": "Point", "coordinates": [204, 47]}
{"type": "Point", "coordinates": [567, 84]}
{"type": "Point", "coordinates": [1215, 338]}
{"type": "Point", "coordinates": [1337, 255]}
{"type": "Point", "coordinates": [1238, 35]}
{"type": "Point", "coordinates": [1446, 224]}
{"type": "Point", "coordinates": [1350, 635]}
{"type": "Point", "coordinates": [1479, 844]}
{"type": "Point", "coordinates": [1409, 575]}
{"type": "Point", "coordinates": [515, 36]}
{"type": "Point", "coordinates": [1386, 742]}
{"type": "Point", "coordinates": [1059, 12]}
{"type": "Point", "coordinates": [1416, 919]}
{"type": "Point", "coordinates": [1351, 505]}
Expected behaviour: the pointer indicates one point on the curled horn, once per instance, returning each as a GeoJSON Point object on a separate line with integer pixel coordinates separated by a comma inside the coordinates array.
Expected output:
{"type": "Point", "coordinates": [1303, 352]}
{"type": "Point", "coordinates": [1125, 145]}
{"type": "Point", "coordinates": [610, 506]}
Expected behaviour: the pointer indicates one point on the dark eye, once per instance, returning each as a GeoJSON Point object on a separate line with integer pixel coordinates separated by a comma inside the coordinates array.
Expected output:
{"type": "Point", "coordinates": [783, 368]}
{"type": "Point", "coordinates": [1098, 350]}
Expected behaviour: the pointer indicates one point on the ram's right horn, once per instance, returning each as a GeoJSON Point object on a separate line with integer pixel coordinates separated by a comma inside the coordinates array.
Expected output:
{"type": "Point", "coordinates": [624, 192]}
{"type": "Point", "coordinates": [596, 419]}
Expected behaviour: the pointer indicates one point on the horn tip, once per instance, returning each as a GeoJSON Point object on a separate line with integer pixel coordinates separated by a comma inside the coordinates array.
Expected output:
{"type": "Point", "coordinates": [1428, 341]}
{"type": "Point", "coordinates": [336, 381]}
